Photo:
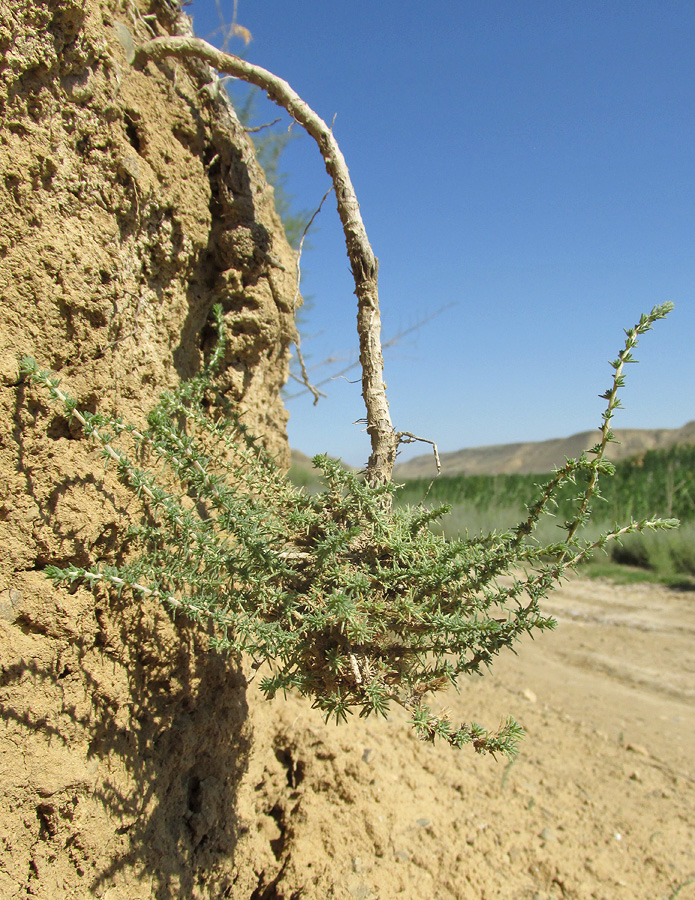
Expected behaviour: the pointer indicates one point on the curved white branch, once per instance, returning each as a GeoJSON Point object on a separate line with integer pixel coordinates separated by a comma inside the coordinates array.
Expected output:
{"type": "Point", "coordinates": [364, 265]}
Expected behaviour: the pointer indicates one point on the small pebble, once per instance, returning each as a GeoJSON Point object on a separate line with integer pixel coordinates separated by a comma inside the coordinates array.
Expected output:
{"type": "Point", "coordinates": [9, 601]}
{"type": "Point", "coordinates": [530, 696]}
{"type": "Point", "coordinates": [360, 891]}
{"type": "Point", "coordinates": [639, 749]}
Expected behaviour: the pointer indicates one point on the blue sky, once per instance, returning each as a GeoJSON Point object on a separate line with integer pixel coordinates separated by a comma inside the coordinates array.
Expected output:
{"type": "Point", "coordinates": [527, 164]}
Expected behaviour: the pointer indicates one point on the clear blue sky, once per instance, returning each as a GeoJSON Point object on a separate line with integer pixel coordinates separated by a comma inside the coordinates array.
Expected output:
{"type": "Point", "coordinates": [532, 163]}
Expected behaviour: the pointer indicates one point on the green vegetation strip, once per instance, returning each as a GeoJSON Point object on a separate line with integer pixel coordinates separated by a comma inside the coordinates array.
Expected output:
{"type": "Point", "coordinates": [657, 482]}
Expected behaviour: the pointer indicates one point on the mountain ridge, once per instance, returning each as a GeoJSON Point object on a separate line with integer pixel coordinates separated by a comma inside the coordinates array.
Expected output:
{"type": "Point", "coordinates": [529, 457]}
{"type": "Point", "coordinates": [538, 457]}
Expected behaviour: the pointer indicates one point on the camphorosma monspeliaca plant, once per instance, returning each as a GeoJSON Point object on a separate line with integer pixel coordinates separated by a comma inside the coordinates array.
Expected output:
{"type": "Point", "coordinates": [345, 599]}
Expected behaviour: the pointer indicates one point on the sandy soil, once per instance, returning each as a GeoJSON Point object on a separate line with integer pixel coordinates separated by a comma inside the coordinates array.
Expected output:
{"type": "Point", "coordinates": [599, 804]}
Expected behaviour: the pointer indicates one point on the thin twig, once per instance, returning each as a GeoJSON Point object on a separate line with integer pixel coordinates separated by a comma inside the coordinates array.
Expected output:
{"type": "Point", "coordinates": [315, 392]}
{"type": "Point", "coordinates": [257, 128]}
{"type": "Point", "coordinates": [233, 29]}
{"type": "Point", "coordinates": [297, 338]}
{"type": "Point", "coordinates": [301, 244]}
{"type": "Point", "coordinates": [405, 437]}
{"type": "Point", "coordinates": [397, 338]}
{"type": "Point", "coordinates": [391, 342]}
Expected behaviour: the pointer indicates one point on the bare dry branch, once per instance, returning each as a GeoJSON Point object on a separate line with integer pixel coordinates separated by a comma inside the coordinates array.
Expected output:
{"type": "Point", "coordinates": [363, 263]}
{"type": "Point", "coordinates": [406, 437]}
{"type": "Point", "coordinates": [304, 380]}
{"type": "Point", "coordinates": [257, 128]}
{"type": "Point", "coordinates": [393, 341]}
{"type": "Point", "coordinates": [301, 245]}
{"type": "Point", "coordinates": [316, 394]}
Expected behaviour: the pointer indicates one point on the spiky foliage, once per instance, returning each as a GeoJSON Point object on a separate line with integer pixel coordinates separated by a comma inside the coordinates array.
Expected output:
{"type": "Point", "coordinates": [347, 599]}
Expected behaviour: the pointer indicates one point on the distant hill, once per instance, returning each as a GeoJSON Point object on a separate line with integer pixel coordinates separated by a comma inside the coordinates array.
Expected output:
{"type": "Point", "coordinates": [542, 456]}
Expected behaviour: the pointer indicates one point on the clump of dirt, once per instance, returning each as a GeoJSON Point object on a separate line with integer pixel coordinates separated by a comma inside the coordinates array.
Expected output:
{"type": "Point", "coordinates": [131, 202]}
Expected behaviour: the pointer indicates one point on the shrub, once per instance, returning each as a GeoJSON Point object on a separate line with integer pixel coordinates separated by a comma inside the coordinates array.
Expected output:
{"type": "Point", "coordinates": [349, 600]}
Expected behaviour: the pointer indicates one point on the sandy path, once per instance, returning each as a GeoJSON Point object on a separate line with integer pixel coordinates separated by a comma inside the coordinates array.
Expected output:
{"type": "Point", "coordinates": [622, 660]}
{"type": "Point", "coordinates": [600, 804]}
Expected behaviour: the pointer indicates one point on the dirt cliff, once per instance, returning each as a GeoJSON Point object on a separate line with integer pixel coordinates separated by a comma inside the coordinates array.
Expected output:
{"type": "Point", "coordinates": [131, 202]}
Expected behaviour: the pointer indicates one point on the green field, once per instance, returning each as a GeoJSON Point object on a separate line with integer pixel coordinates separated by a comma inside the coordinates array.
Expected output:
{"type": "Point", "coordinates": [658, 483]}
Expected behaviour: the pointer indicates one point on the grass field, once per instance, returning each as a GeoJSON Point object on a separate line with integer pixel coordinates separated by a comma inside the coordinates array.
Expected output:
{"type": "Point", "coordinates": [658, 483]}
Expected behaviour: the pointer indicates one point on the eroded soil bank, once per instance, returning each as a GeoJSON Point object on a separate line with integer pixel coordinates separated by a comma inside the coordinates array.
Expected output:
{"type": "Point", "coordinates": [131, 202]}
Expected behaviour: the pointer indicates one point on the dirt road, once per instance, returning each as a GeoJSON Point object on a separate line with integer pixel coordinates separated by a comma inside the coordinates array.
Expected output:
{"type": "Point", "coordinates": [599, 805]}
